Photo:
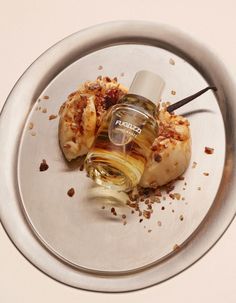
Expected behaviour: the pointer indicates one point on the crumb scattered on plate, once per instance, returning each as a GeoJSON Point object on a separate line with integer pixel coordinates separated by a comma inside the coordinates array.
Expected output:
{"type": "Point", "coordinates": [146, 214]}
{"type": "Point", "coordinates": [51, 117]}
{"type": "Point", "coordinates": [71, 192]}
{"type": "Point", "coordinates": [165, 104]}
{"type": "Point", "coordinates": [100, 67]}
{"type": "Point", "coordinates": [31, 125]}
{"type": "Point", "coordinates": [172, 61]}
{"type": "Point", "coordinates": [43, 165]}
{"type": "Point", "coordinates": [176, 246]}
{"type": "Point", "coordinates": [174, 196]}
{"type": "Point", "coordinates": [206, 174]}
{"type": "Point", "coordinates": [209, 150]}
{"type": "Point", "coordinates": [113, 211]}
{"type": "Point", "coordinates": [45, 97]}
{"type": "Point", "coordinates": [173, 92]}
{"type": "Point", "coordinates": [194, 164]}
{"type": "Point", "coordinates": [181, 217]}
{"type": "Point", "coordinates": [44, 110]}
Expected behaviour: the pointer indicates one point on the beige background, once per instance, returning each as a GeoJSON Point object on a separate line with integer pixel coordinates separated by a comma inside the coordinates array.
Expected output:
{"type": "Point", "coordinates": [27, 28]}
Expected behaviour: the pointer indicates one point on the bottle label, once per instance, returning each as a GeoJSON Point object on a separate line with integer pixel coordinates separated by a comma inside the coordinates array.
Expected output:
{"type": "Point", "coordinates": [122, 129]}
{"type": "Point", "coordinates": [129, 125]}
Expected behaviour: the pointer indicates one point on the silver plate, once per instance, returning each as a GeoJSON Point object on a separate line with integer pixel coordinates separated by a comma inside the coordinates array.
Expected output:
{"type": "Point", "coordinates": [72, 239]}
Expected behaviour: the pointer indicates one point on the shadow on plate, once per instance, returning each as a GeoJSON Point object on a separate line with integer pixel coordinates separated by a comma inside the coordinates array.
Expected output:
{"type": "Point", "coordinates": [197, 111]}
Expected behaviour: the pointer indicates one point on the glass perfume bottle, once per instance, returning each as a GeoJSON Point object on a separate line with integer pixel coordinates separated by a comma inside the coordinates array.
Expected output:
{"type": "Point", "coordinates": [123, 144]}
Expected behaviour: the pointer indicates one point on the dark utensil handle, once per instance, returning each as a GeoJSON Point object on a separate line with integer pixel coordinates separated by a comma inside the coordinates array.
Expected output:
{"type": "Point", "coordinates": [186, 100]}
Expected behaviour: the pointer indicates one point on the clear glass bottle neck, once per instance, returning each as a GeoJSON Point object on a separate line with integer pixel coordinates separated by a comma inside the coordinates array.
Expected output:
{"type": "Point", "coordinates": [140, 102]}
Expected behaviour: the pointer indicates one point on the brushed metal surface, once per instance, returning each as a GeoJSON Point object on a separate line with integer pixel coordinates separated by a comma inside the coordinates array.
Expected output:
{"type": "Point", "coordinates": [72, 239]}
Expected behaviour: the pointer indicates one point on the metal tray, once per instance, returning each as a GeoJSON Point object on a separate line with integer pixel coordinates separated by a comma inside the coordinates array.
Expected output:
{"type": "Point", "coordinates": [73, 240]}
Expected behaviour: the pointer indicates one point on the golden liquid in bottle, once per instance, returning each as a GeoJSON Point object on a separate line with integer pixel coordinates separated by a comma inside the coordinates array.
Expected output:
{"type": "Point", "coordinates": [123, 144]}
